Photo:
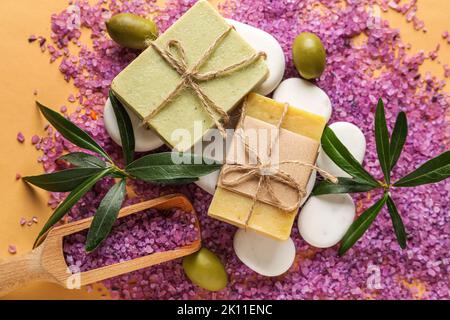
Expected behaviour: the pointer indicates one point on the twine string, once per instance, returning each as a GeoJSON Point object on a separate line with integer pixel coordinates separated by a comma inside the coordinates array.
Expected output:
{"type": "Point", "coordinates": [175, 55]}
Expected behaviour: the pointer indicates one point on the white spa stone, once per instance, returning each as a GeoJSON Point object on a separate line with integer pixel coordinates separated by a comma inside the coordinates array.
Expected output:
{"type": "Point", "coordinates": [209, 182]}
{"type": "Point", "coordinates": [211, 139]}
{"type": "Point", "coordinates": [145, 139]}
{"type": "Point", "coordinates": [309, 186]}
{"type": "Point", "coordinates": [353, 138]}
{"type": "Point", "coordinates": [304, 95]}
{"type": "Point", "coordinates": [266, 256]}
{"type": "Point", "coordinates": [263, 41]}
{"type": "Point", "coordinates": [324, 220]}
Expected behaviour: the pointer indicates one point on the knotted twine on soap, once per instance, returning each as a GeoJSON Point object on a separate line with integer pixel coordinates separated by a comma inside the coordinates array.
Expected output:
{"type": "Point", "coordinates": [190, 77]}
{"type": "Point", "coordinates": [261, 169]}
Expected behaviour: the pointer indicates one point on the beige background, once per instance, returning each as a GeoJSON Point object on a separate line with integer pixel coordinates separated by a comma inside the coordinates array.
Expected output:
{"type": "Point", "coordinates": [23, 69]}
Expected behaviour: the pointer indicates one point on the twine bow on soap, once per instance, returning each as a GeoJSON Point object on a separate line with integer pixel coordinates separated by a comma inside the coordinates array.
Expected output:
{"type": "Point", "coordinates": [266, 172]}
{"type": "Point", "coordinates": [191, 77]}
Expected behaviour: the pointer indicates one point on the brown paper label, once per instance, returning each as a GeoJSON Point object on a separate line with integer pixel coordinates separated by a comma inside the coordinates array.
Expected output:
{"type": "Point", "coordinates": [289, 146]}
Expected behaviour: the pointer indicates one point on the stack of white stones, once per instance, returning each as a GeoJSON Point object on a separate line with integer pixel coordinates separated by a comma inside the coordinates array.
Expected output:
{"type": "Point", "coordinates": [323, 220]}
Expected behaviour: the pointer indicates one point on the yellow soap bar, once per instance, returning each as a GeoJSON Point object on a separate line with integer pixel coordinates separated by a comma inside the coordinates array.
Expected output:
{"type": "Point", "coordinates": [266, 219]}
{"type": "Point", "coordinates": [299, 121]}
{"type": "Point", "coordinates": [234, 208]}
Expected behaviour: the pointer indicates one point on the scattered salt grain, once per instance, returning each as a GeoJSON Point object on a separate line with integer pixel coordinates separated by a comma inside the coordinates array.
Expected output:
{"type": "Point", "coordinates": [42, 41]}
{"type": "Point", "coordinates": [35, 139]}
{"type": "Point", "coordinates": [12, 249]}
{"type": "Point", "coordinates": [20, 137]}
{"type": "Point", "coordinates": [446, 70]}
{"type": "Point", "coordinates": [32, 38]}
{"type": "Point", "coordinates": [23, 221]}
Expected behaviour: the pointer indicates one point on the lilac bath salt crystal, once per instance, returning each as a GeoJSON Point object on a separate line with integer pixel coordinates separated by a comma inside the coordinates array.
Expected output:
{"type": "Point", "coordinates": [34, 139]}
{"type": "Point", "coordinates": [12, 249]}
{"type": "Point", "coordinates": [22, 221]}
{"type": "Point", "coordinates": [356, 75]}
{"type": "Point", "coordinates": [20, 137]}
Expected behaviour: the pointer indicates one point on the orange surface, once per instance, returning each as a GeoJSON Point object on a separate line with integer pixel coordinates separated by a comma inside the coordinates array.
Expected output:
{"type": "Point", "coordinates": [23, 69]}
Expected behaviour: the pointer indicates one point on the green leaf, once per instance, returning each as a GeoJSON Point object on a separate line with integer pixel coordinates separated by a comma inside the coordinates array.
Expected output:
{"type": "Point", "coordinates": [360, 225]}
{"type": "Point", "coordinates": [397, 222]}
{"type": "Point", "coordinates": [344, 185]}
{"type": "Point", "coordinates": [83, 160]}
{"type": "Point", "coordinates": [340, 155]}
{"type": "Point", "coordinates": [175, 182]}
{"type": "Point", "coordinates": [62, 181]}
{"type": "Point", "coordinates": [160, 167]}
{"type": "Point", "coordinates": [105, 216]}
{"type": "Point", "coordinates": [70, 131]}
{"type": "Point", "coordinates": [125, 128]}
{"type": "Point", "coordinates": [382, 141]}
{"type": "Point", "coordinates": [71, 199]}
{"type": "Point", "coordinates": [432, 171]}
{"type": "Point", "coordinates": [398, 138]}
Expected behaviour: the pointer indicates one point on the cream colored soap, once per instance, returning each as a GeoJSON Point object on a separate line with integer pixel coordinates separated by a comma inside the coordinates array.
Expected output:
{"type": "Point", "coordinates": [266, 219]}
{"type": "Point", "coordinates": [148, 80]}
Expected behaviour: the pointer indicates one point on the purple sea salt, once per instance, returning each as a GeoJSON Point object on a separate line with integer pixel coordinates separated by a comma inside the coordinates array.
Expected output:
{"type": "Point", "coordinates": [12, 249]}
{"type": "Point", "coordinates": [20, 137]}
{"type": "Point", "coordinates": [381, 66]}
{"type": "Point", "coordinates": [35, 139]}
{"type": "Point", "coordinates": [135, 236]}
{"type": "Point", "coordinates": [32, 38]}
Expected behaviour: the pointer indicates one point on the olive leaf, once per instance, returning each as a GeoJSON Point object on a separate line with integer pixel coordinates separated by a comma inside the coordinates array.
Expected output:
{"type": "Point", "coordinates": [62, 181]}
{"type": "Point", "coordinates": [382, 141]}
{"type": "Point", "coordinates": [125, 128]}
{"type": "Point", "coordinates": [105, 216]}
{"type": "Point", "coordinates": [340, 155]}
{"type": "Point", "coordinates": [397, 223]}
{"type": "Point", "coordinates": [71, 199]}
{"type": "Point", "coordinates": [160, 167]}
{"type": "Point", "coordinates": [83, 160]}
{"type": "Point", "coordinates": [389, 152]}
{"type": "Point", "coordinates": [344, 185]}
{"type": "Point", "coordinates": [360, 225]}
{"type": "Point", "coordinates": [432, 171]}
{"type": "Point", "coordinates": [71, 132]}
{"type": "Point", "coordinates": [176, 182]}
{"type": "Point", "coordinates": [90, 169]}
{"type": "Point", "coordinates": [398, 138]}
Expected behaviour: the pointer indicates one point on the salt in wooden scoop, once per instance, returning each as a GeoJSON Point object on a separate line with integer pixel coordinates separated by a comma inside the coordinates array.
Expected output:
{"type": "Point", "coordinates": [47, 262]}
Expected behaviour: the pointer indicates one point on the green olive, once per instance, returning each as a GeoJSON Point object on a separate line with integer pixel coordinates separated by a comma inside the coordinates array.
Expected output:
{"type": "Point", "coordinates": [131, 31]}
{"type": "Point", "coordinates": [206, 270]}
{"type": "Point", "coordinates": [309, 55]}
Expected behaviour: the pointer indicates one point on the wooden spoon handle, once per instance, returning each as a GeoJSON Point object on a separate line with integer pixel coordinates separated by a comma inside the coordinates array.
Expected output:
{"type": "Point", "coordinates": [18, 271]}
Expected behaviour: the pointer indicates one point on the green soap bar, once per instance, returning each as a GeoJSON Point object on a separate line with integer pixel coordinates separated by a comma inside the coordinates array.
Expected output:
{"type": "Point", "coordinates": [148, 80]}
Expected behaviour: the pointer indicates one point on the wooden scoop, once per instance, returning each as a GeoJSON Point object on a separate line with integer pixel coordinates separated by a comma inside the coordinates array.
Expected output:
{"type": "Point", "coordinates": [47, 262]}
